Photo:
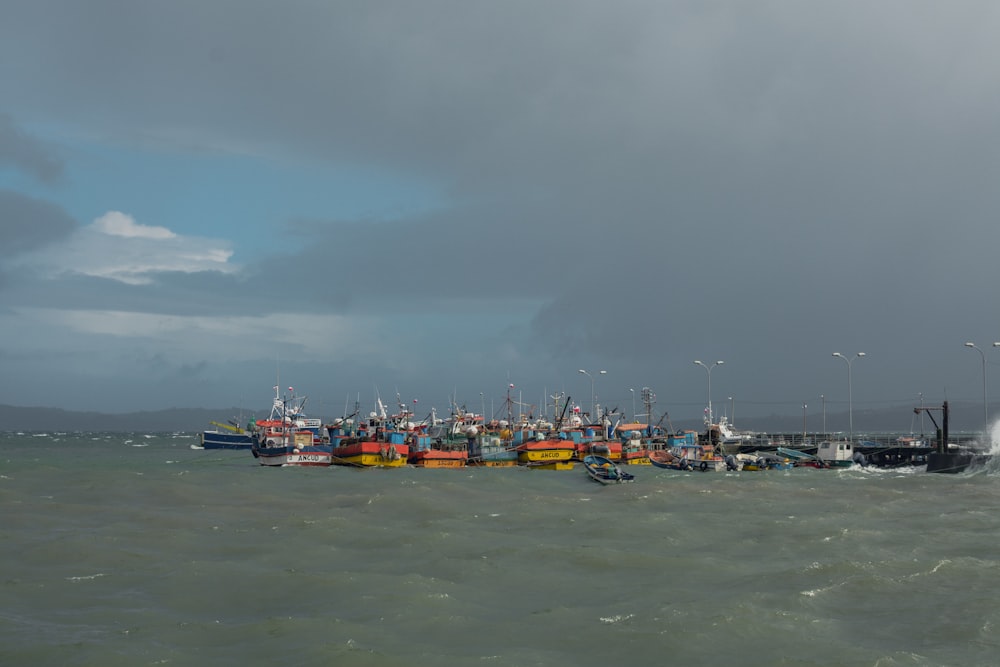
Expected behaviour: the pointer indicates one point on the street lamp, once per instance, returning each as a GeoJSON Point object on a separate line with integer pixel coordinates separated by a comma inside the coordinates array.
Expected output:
{"type": "Point", "coordinates": [732, 412]}
{"type": "Point", "coordinates": [850, 397]}
{"type": "Point", "coordinates": [709, 370]}
{"type": "Point", "coordinates": [634, 420]}
{"type": "Point", "coordinates": [804, 406]}
{"type": "Point", "coordinates": [593, 394]}
{"type": "Point", "coordinates": [986, 412]}
{"type": "Point", "coordinates": [822, 397]}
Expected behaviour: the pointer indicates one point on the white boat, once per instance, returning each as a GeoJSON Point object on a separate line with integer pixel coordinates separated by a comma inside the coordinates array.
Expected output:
{"type": "Point", "coordinates": [836, 453]}
{"type": "Point", "coordinates": [288, 437]}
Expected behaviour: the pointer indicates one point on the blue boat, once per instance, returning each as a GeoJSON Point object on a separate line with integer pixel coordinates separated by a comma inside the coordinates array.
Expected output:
{"type": "Point", "coordinates": [604, 471]}
{"type": "Point", "coordinates": [227, 436]}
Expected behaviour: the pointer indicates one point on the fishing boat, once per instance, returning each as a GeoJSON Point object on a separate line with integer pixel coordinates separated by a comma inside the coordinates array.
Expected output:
{"type": "Point", "coordinates": [551, 450]}
{"type": "Point", "coordinates": [492, 451]}
{"type": "Point", "coordinates": [702, 457]}
{"type": "Point", "coordinates": [464, 438]}
{"type": "Point", "coordinates": [426, 453]}
{"type": "Point", "coordinates": [379, 441]}
{"type": "Point", "coordinates": [227, 436]}
{"type": "Point", "coordinates": [368, 449]}
{"type": "Point", "coordinates": [288, 437]}
{"type": "Point", "coordinates": [604, 471]}
{"type": "Point", "coordinates": [634, 449]}
{"type": "Point", "coordinates": [547, 452]}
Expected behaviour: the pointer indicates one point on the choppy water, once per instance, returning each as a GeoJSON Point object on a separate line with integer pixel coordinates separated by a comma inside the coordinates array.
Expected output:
{"type": "Point", "coordinates": [138, 550]}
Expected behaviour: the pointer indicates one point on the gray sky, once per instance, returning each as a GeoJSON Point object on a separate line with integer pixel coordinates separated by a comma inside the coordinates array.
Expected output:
{"type": "Point", "coordinates": [442, 198]}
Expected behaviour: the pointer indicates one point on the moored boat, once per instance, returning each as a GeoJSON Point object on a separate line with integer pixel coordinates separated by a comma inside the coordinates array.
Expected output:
{"type": "Point", "coordinates": [763, 461]}
{"type": "Point", "coordinates": [667, 460]}
{"type": "Point", "coordinates": [425, 453]}
{"type": "Point", "coordinates": [635, 450]}
{"type": "Point", "coordinates": [553, 453]}
{"type": "Point", "coordinates": [288, 437]}
{"type": "Point", "coordinates": [376, 442]}
{"type": "Point", "coordinates": [836, 453]}
{"type": "Point", "coordinates": [604, 471]}
{"type": "Point", "coordinates": [227, 436]}
{"type": "Point", "coordinates": [492, 451]}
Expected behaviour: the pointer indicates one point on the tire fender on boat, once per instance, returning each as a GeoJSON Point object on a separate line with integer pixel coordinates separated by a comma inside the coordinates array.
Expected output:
{"type": "Point", "coordinates": [704, 466]}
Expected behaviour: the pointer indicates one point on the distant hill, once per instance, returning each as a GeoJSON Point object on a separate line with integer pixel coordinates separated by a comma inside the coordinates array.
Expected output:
{"type": "Point", "coordinates": [13, 418]}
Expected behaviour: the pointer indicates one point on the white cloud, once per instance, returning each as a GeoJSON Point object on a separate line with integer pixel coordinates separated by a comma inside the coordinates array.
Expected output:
{"type": "Point", "coordinates": [117, 247]}
{"type": "Point", "coordinates": [116, 223]}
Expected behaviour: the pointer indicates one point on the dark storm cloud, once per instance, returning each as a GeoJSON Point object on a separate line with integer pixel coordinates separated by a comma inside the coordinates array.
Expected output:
{"type": "Point", "coordinates": [28, 223]}
{"type": "Point", "coordinates": [21, 151]}
{"type": "Point", "coordinates": [761, 182]}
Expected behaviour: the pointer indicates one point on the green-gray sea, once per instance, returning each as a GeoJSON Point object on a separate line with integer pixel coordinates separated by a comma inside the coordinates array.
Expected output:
{"type": "Point", "coordinates": [137, 549]}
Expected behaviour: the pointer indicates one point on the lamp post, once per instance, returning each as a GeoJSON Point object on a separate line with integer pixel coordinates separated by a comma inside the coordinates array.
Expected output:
{"type": "Point", "coordinates": [850, 397]}
{"type": "Point", "coordinates": [804, 406]}
{"type": "Point", "coordinates": [593, 394]}
{"type": "Point", "coordinates": [986, 412]}
{"type": "Point", "coordinates": [822, 397]}
{"type": "Point", "coordinates": [709, 370]}
{"type": "Point", "coordinates": [634, 420]}
{"type": "Point", "coordinates": [732, 412]}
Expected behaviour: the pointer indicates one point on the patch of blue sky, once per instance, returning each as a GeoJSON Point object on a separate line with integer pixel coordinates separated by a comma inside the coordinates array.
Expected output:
{"type": "Point", "coordinates": [245, 199]}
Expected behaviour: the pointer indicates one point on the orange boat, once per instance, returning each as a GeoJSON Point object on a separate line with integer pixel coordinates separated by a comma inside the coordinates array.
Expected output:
{"type": "Point", "coordinates": [425, 453]}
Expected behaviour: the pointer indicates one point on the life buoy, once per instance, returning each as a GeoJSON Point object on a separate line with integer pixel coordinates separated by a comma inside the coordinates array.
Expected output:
{"type": "Point", "coordinates": [270, 443]}
{"type": "Point", "coordinates": [704, 466]}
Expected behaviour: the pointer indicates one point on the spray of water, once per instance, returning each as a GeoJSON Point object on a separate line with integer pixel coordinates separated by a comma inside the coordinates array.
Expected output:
{"type": "Point", "coordinates": [993, 446]}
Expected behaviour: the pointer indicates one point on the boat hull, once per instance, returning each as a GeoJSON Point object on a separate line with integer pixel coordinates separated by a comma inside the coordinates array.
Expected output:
{"type": "Point", "coordinates": [550, 465]}
{"type": "Point", "coordinates": [219, 440]}
{"type": "Point", "coordinates": [538, 452]}
{"type": "Point", "coordinates": [485, 462]}
{"type": "Point", "coordinates": [293, 456]}
{"type": "Point", "coordinates": [434, 458]}
{"type": "Point", "coordinates": [371, 454]}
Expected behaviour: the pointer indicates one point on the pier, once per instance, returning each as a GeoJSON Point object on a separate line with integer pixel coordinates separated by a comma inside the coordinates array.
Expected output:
{"type": "Point", "coordinates": [883, 450]}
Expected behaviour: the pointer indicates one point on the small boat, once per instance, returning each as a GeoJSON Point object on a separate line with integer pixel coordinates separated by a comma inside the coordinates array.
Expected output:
{"type": "Point", "coordinates": [667, 460]}
{"type": "Point", "coordinates": [604, 471]}
{"type": "Point", "coordinates": [801, 459]}
{"type": "Point", "coordinates": [764, 461]}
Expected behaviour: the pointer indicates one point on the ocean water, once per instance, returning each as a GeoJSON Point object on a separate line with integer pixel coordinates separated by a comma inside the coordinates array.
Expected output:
{"type": "Point", "coordinates": [135, 549]}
